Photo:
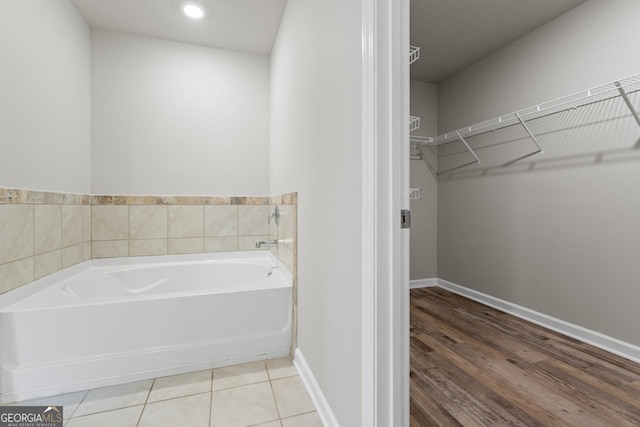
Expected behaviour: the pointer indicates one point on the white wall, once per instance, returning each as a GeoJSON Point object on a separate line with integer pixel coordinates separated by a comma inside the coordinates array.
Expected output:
{"type": "Point", "coordinates": [556, 233]}
{"type": "Point", "coordinates": [424, 212]}
{"type": "Point", "coordinates": [176, 118]}
{"type": "Point", "coordinates": [45, 97]}
{"type": "Point", "coordinates": [315, 150]}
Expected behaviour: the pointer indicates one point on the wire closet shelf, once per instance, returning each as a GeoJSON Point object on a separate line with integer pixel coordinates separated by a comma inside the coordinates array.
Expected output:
{"type": "Point", "coordinates": [414, 123]}
{"type": "Point", "coordinates": [414, 54]}
{"type": "Point", "coordinates": [618, 88]}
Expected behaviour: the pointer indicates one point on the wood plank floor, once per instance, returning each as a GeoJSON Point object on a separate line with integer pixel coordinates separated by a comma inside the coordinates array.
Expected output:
{"type": "Point", "coordinates": [472, 365]}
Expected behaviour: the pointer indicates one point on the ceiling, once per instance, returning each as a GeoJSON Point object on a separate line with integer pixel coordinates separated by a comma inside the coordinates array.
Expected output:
{"type": "Point", "coordinates": [453, 34]}
{"type": "Point", "coordinates": [245, 25]}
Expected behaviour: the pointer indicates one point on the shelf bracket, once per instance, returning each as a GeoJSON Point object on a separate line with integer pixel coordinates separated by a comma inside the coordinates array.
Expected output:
{"type": "Point", "coordinates": [535, 140]}
{"type": "Point", "coordinates": [474, 162]}
{"type": "Point", "coordinates": [468, 148]}
{"type": "Point", "coordinates": [532, 136]}
{"type": "Point", "coordinates": [628, 102]}
{"type": "Point", "coordinates": [424, 158]}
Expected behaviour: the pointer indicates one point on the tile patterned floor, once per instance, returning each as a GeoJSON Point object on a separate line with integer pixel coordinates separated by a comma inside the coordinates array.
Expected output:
{"type": "Point", "coordinates": [261, 394]}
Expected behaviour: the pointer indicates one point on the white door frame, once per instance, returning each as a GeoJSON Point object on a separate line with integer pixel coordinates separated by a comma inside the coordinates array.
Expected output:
{"type": "Point", "coordinates": [385, 185]}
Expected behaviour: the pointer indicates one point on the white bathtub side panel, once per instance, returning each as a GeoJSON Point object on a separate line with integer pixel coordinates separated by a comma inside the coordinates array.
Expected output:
{"type": "Point", "coordinates": [66, 349]}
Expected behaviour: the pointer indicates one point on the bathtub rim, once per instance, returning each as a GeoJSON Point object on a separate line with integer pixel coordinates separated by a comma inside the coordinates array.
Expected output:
{"type": "Point", "coordinates": [19, 294]}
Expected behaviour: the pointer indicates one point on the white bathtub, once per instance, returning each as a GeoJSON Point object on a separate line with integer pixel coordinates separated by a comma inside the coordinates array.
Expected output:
{"type": "Point", "coordinates": [111, 321]}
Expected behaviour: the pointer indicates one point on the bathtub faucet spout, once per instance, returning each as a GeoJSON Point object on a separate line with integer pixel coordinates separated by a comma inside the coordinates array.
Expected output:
{"type": "Point", "coordinates": [262, 243]}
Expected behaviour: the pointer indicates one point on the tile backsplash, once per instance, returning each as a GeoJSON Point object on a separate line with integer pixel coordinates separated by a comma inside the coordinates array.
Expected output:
{"type": "Point", "coordinates": [169, 228]}
{"type": "Point", "coordinates": [41, 233]}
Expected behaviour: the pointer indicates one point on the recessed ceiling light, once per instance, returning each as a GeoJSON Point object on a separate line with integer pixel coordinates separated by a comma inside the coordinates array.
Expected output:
{"type": "Point", "coordinates": [193, 11]}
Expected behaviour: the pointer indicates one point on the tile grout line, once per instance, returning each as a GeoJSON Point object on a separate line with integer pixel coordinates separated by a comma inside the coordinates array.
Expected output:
{"type": "Point", "coordinates": [129, 231]}
{"type": "Point", "coordinates": [79, 403]}
{"type": "Point", "coordinates": [266, 422]}
{"type": "Point", "coordinates": [167, 207]}
{"type": "Point", "coordinates": [146, 403]}
{"type": "Point", "coordinates": [273, 393]}
{"type": "Point", "coordinates": [91, 231]}
{"type": "Point", "coordinates": [237, 228]}
{"type": "Point", "coordinates": [204, 232]}
{"type": "Point", "coordinates": [298, 415]}
{"type": "Point", "coordinates": [176, 397]}
{"type": "Point", "coordinates": [166, 235]}
{"type": "Point", "coordinates": [25, 258]}
{"type": "Point", "coordinates": [268, 372]}
{"type": "Point", "coordinates": [106, 410]}
{"type": "Point", "coordinates": [129, 235]}
{"type": "Point", "coordinates": [241, 385]}
{"type": "Point", "coordinates": [144, 406]}
{"type": "Point", "coordinates": [285, 377]}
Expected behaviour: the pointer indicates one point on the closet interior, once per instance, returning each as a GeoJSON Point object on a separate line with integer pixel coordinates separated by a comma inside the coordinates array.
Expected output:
{"type": "Point", "coordinates": [525, 151]}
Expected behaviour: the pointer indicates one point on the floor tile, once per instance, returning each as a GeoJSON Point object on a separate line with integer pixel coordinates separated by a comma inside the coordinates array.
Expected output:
{"type": "Point", "coordinates": [271, 424]}
{"type": "Point", "coordinates": [234, 376]}
{"type": "Point", "coordinates": [291, 397]}
{"type": "Point", "coordinates": [127, 417]}
{"type": "Point", "coordinates": [281, 368]}
{"type": "Point", "coordinates": [70, 402]}
{"type": "Point", "coordinates": [180, 385]}
{"type": "Point", "coordinates": [307, 420]}
{"type": "Point", "coordinates": [114, 397]}
{"type": "Point", "coordinates": [192, 411]}
{"type": "Point", "coordinates": [243, 406]}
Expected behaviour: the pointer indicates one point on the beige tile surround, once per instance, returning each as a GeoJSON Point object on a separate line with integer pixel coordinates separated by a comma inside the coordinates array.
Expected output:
{"type": "Point", "coordinates": [41, 233]}
{"type": "Point", "coordinates": [44, 232]}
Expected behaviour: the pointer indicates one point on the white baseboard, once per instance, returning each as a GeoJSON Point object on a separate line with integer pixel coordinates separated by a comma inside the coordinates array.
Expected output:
{"type": "Point", "coordinates": [423, 283]}
{"type": "Point", "coordinates": [320, 402]}
{"type": "Point", "coordinates": [597, 339]}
